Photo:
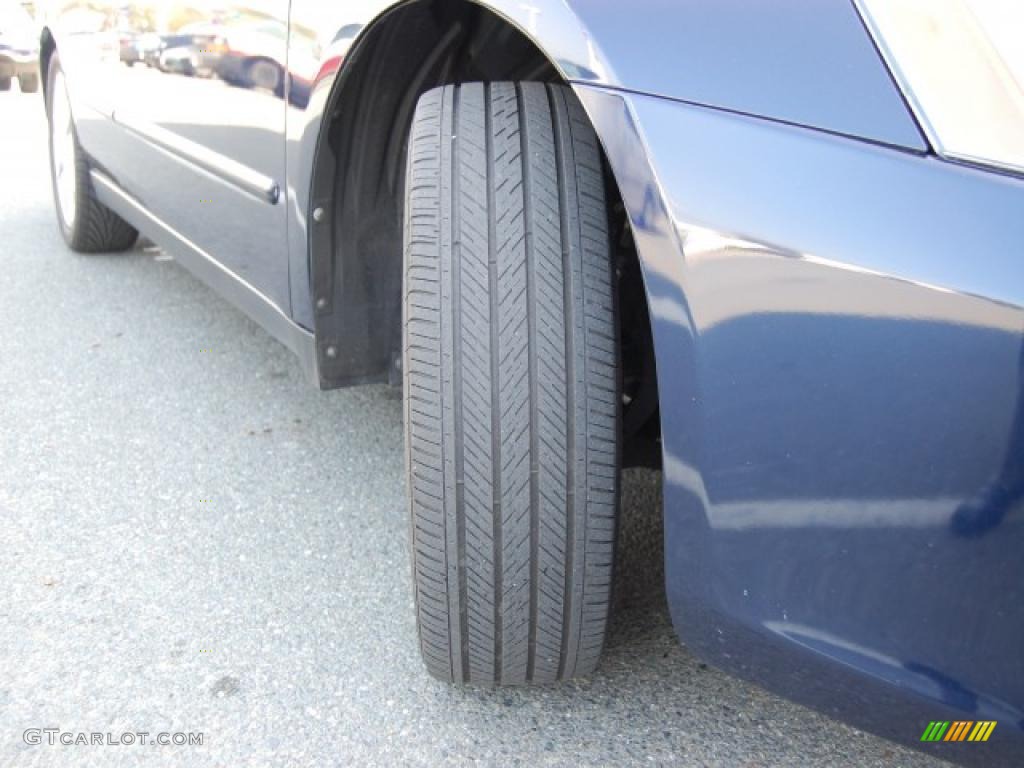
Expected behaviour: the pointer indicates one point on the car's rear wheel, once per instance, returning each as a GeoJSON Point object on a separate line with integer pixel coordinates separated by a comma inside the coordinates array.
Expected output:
{"type": "Point", "coordinates": [87, 225]}
{"type": "Point", "coordinates": [511, 384]}
{"type": "Point", "coordinates": [28, 83]}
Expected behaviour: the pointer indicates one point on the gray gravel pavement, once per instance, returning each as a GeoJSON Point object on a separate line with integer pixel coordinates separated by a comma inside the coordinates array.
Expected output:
{"type": "Point", "coordinates": [193, 539]}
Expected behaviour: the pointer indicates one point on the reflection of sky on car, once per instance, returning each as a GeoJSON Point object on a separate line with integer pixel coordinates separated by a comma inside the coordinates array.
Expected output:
{"type": "Point", "coordinates": [577, 54]}
{"type": "Point", "coordinates": [321, 16]}
{"type": "Point", "coordinates": [212, 101]}
{"type": "Point", "coordinates": [14, 19]}
{"type": "Point", "coordinates": [320, 32]}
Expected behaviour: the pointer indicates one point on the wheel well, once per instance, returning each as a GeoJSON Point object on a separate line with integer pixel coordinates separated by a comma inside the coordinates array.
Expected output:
{"type": "Point", "coordinates": [359, 177]}
{"type": "Point", "coordinates": [47, 46]}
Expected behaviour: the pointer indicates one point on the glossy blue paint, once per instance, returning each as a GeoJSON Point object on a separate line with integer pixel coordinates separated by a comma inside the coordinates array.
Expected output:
{"type": "Point", "coordinates": [805, 63]}
{"type": "Point", "coordinates": [811, 64]}
{"type": "Point", "coordinates": [840, 347]}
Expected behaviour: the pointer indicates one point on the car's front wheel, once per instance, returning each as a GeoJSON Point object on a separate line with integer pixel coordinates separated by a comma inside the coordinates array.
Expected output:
{"type": "Point", "coordinates": [511, 384]}
{"type": "Point", "coordinates": [87, 225]}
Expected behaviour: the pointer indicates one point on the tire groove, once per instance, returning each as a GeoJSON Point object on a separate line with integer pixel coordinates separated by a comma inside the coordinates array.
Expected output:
{"type": "Point", "coordinates": [531, 345]}
{"type": "Point", "coordinates": [492, 272]}
{"type": "Point", "coordinates": [570, 390]}
{"type": "Point", "coordinates": [456, 254]}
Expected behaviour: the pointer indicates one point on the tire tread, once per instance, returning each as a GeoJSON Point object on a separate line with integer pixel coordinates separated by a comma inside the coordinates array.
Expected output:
{"type": "Point", "coordinates": [510, 366]}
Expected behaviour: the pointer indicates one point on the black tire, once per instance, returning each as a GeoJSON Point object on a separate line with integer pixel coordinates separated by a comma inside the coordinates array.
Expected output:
{"type": "Point", "coordinates": [5, 83]}
{"type": "Point", "coordinates": [511, 384]}
{"type": "Point", "coordinates": [94, 228]}
{"type": "Point", "coordinates": [28, 83]}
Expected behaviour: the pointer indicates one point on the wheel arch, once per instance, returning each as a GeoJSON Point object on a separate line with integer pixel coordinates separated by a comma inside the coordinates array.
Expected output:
{"type": "Point", "coordinates": [47, 46]}
{"type": "Point", "coordinates": [356, 185]}
{"type": "Point", "coordinates": [356, 163]}
{"type": "Point", "coordinates": [356, 173]}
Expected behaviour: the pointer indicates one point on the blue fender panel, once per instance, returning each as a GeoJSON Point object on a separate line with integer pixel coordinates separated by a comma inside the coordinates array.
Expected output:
{"type": "Point", "coordinates": [840, 346]}
{"type": "Point", "coordinates": [807, 63]}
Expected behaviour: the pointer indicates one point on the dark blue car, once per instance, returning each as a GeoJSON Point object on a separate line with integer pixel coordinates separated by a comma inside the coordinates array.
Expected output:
{"type": "Point", "coordinates": [775, 249]}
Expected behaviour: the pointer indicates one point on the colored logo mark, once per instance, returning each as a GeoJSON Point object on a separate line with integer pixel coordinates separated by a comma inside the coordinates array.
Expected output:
{"type": "Point", "coordinates": [959, 730]}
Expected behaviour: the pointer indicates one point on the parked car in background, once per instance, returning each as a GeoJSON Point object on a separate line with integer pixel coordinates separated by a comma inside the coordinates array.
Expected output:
{"type": "Point", "coordinates": [182, 59]}
{"type": "Point", "coordinates": [255, 55]}
{"type": "Point", "coordinates": [19, 48]}
{"type": "Point", "coordinates": [131, 54]}
{"type": "Point", "coordinates": [772, 249]}
{"type": "Point", "coordinates": [191, 51]}
{"type": "Point", "coordinates": [149, 46]}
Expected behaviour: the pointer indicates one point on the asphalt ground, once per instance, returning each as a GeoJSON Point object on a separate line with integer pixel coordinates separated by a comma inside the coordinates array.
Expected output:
{"type": "Point", "coordinates": [194, 540]}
